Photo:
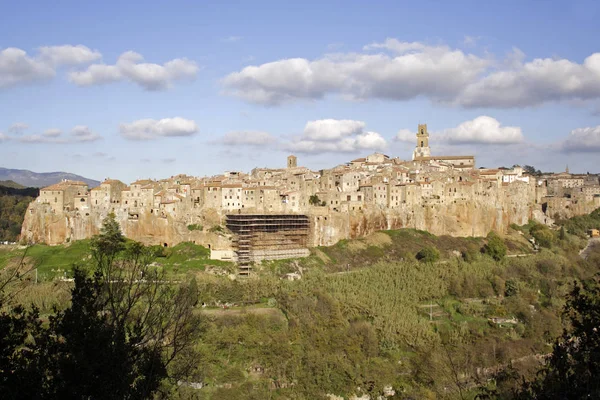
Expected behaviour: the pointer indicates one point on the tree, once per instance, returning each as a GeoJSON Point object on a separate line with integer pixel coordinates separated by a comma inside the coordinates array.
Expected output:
{"type": "Point", "coordinates": [572, 369]}
{"type": "Point", "coordinates": [126, 324]}
{"type": "Point", "coordinates": [562, 234]}
{"type": "Point", "coordinates": [314, 200]}
{"type": "Point", "coordinates": [542, 235]}
{"type": "Point", "coordinates": [528, 169]}
{"type": "Point", "coordinates": [495, 247]}
{"type": "Point", "coordinates": [428, 254]}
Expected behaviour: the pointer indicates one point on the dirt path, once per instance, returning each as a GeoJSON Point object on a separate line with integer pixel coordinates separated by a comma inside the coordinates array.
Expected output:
{"type": "Point", "coordinates": [593, 242]}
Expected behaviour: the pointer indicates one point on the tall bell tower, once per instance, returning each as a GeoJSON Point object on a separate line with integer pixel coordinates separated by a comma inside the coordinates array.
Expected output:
{"type": "Point", "coordinates": [422, 149]}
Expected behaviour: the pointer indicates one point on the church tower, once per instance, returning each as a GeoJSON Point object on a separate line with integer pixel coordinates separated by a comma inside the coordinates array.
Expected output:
{"type": "Point", "coordinates": [292, 161]}
{"type": "Point", "coordinates": [422, 149]}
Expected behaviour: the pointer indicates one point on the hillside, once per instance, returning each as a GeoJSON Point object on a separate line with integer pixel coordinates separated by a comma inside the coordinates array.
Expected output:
{"type": "Point", "coordinates": [11, 184]}
{"type": "Point", "coordinates": [365, 314]}
{"type": "Point", "coordinates": [34, 179]}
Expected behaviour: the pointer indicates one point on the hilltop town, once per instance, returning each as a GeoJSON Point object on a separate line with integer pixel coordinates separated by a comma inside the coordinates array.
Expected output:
{"type": "Point", "coordinates": [446, 195]}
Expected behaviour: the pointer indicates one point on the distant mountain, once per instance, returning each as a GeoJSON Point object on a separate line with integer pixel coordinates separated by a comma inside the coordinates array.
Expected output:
{"type": "Point", "coordinates": [42, 179]}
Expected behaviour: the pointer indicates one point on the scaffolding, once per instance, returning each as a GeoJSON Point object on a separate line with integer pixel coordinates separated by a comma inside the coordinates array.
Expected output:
{"type": "Point", "coordinates": [260, 237]}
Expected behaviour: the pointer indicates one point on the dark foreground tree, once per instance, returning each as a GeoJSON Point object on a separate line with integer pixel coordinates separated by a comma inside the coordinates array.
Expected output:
{"type": "Point", "coordinates": [124, 327]}
{"type": "Point", "coordinates": [573, 368]}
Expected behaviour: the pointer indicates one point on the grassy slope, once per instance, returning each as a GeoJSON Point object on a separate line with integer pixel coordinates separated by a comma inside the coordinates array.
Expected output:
{"type": "Point", "coordinates": [373, 315]}
{"type": "Point", "coordinates": [57, 261]}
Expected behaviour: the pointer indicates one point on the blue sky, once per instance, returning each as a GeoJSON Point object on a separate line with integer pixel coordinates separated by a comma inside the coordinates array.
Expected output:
{"type": "Point", "coordinates": [152, 89]}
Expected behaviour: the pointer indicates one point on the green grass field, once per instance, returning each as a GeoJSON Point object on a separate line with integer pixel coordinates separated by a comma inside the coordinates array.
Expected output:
{"type": "Point", "coordinates": [57, 261]}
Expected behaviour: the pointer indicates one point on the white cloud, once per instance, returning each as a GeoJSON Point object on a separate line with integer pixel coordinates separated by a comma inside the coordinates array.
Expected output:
{"type": "Point", "coordinates": [96, 74]}
{"type": "Point", "coordinates": [54, 132]}
{"type": "Point", "coordinates": [18, 127]}
{"type": "Point", "coordinates": [330, 135]}
{"type": "Point", "coordinates": [535, 82]}
{"type": "Point", "coordinates": [17, 67]}
{"type": "Point", "coordinates": [130, 66]}
{"type": "Point", "coordinates": [3, 137]}
{"type": "Point", "coordinates": [79, 134]}
{"type": "Point", "coordinates": [332, 129]}
{"type": "Point", "coordinates": [412, 70]}
{"type": "Point", "coordinates": [145, 129]}
{"type": "Point", "coordinates": [42, 139]}
{"type": "Point", "coordinates": [405, 135]}
{"type": "Point", "coordinates": [396, 70]}
{"type": "Point", "coordinates": [82, 133]}
{"type": "Point", "coordinates": [68, 55]}
{"type": "Point", "coordinates": [483, 130]}
{"type": "Point", "coordinates": [583, 140]}
{"type": "Point", "coordinates": [249, 138]}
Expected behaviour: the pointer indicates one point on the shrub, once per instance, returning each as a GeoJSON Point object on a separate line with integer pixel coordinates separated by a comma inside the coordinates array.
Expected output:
{"type": "Point", "coordinates": [542, 235]}
{"type": "Point", "coordinates": [495, 247]}
{"type": "Point", "coordinates": [428, 254]}
{"type": "Point", "coordinates": [512, 288]}
{"type": "Point", "coordinates": [195, 227]}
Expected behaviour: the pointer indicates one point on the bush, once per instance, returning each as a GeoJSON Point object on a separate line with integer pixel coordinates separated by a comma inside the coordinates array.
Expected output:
{"type": "Point", "coordinates": [495, 247]}
{"type": "Point", "coordinates": [428, 254]}
{"type": "Point", "coordinates": [195, 227]}
{"type": "Point", "coordinates": [542, 235]}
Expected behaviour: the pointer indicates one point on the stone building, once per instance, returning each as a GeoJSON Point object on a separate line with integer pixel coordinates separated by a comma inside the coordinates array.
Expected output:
{"type": "Point", "coordinates": [441, 194]}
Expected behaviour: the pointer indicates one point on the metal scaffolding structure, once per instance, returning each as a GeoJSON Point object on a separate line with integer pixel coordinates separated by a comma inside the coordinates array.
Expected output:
{"type": "Point", "coordinates": [268, 237]}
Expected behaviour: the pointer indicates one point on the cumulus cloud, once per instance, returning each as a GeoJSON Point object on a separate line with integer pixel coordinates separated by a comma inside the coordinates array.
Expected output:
{"type": "Point", "coordinates": [79, 134]}
{"type": "Point", "coordinates": [405, 135]}
{"type": "Point", "coordinates": [330, 135]}
{"type": "Point", "coordinates": [68, 55]}
{"type": "Point", "coordinates": [396, 70]}
{"type": "Point", "coordinates": [17, 128]}
{"type": "Point", "coordinates": [483, 130]}
{"type": "Point", "coordinates": [53, 132]}
{"type": "Point", "coordinates": [3, 137]}
{"type": "Point", "coordinates": [41, 139]}
{"type": "Point", "coordinates": [82, 133]}
{"type": "Point", "coordinates": [583, 140]}
{"type": "Point", "coordinates": [17, 67]}
{"type": "Point", "coordinates": [247, 138]}
{"type": "Point", "coordinates": [401, 71]}
{"type": "Point", "coordinates": [146, 129]}
{"type": "Point", "coordinates": [535, 82]}
{"type": "Point", "coordinates": [332, 129]}
{"type": "Point", "coordinates": [130, 66]}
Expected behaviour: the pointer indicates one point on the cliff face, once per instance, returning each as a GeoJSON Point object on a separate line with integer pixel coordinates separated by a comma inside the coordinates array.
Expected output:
{"type": "Point", "coordinates": [474, 212]}
{"type": "Point", "coordinates": [41, 225]}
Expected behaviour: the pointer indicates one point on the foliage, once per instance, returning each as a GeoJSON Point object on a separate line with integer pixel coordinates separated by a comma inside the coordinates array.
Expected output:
{"type": "Point", "coordinates": [530, 170]}
{"type": "Point", "coordinates": [314, 200]}
{"type": "Point", "coordinates": [579, 225]}
{"type": "Point", "coordinates": [571, 371]}
{"type": "Point", "coordinates": [195, 227]}
{"type": "Point", "coordinates": [216, 228]}
{"type": "Point", "coordinates": [125, 325]}
{"type": "Point", "coordinates": [495, 247]}
{"type": "Point", "coordinates": [428, 254]}
{"type": "Point", "coordinates": [542, 235]}
{"type": "Point", "coordinates": [13, 204]}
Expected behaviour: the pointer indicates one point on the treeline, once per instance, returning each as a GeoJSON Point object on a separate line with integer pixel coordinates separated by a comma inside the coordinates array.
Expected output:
{"type": "Point", "coordinates": [13, 204]}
